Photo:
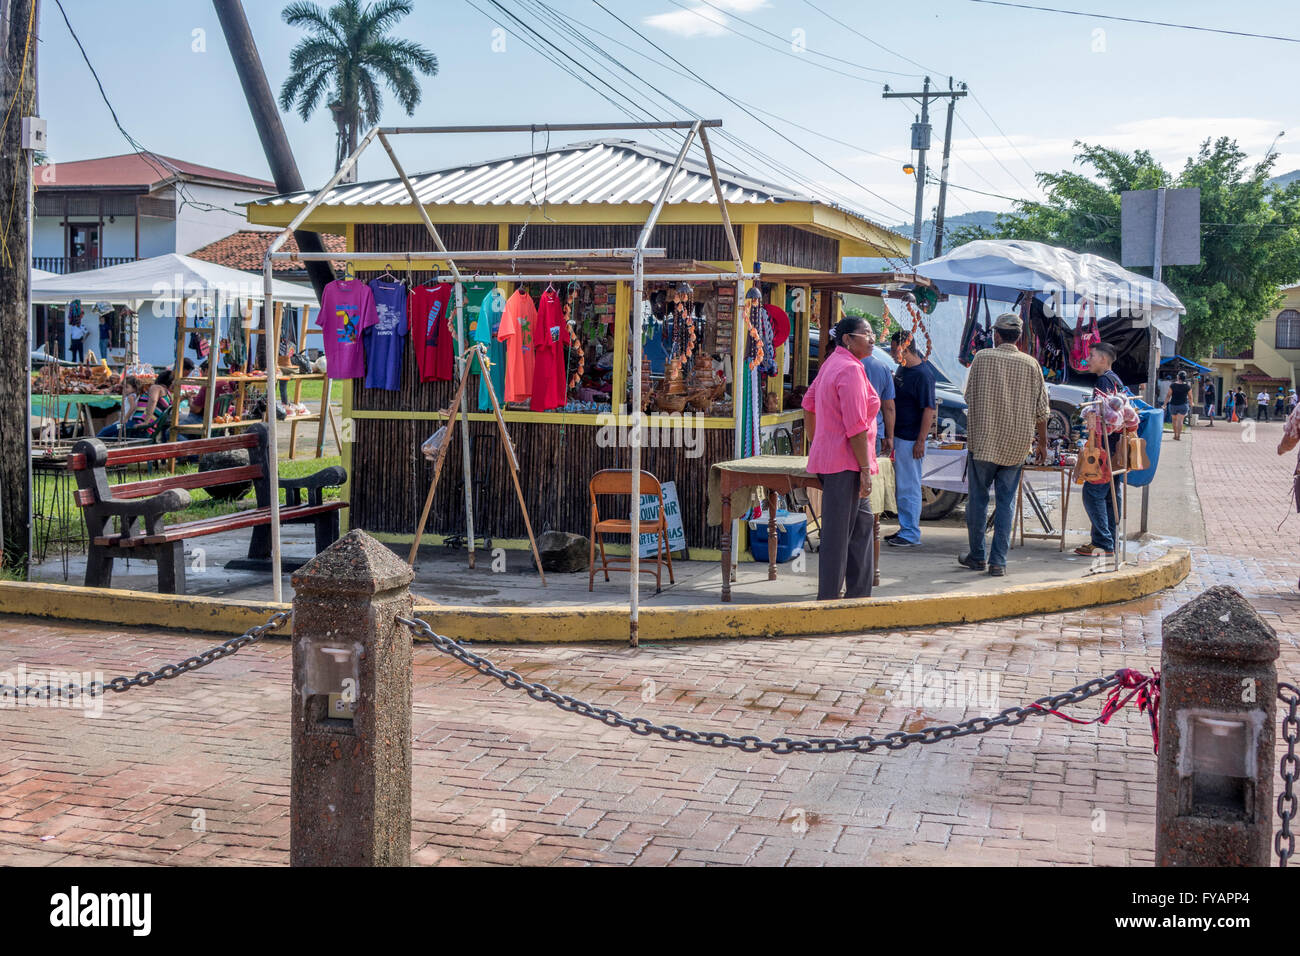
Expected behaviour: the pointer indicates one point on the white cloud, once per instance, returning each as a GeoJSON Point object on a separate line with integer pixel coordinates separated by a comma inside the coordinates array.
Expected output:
{"type": "Point", "coordinates": [702, 20]}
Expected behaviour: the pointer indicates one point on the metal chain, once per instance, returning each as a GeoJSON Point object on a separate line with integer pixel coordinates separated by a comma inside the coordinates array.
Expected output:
{"type": "Point", "coordinates": [146, 678]}
{"type": "Point", "coordinates": [1284, 841]}
{"type": "Point", "coordinates": [865, 743]}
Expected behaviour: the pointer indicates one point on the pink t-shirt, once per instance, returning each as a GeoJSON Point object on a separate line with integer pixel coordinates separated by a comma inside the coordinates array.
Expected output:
{"type": "Point", "coordinates": [347, 308]}
{"type": "Point", "coordinates": [845, 405]}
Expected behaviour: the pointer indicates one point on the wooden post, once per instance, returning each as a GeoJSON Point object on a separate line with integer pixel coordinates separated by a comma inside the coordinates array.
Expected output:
{"type": "Point", "coordinates": [453, 412]}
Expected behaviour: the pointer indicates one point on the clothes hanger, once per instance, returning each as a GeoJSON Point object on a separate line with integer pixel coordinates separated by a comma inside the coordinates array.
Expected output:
{"type": "Point", "coordinates": [388, 275]}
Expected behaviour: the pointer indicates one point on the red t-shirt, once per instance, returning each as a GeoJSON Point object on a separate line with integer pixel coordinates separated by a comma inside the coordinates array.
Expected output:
{"type": "Point", "coordinates": [550, 338]}
{"type": "Point", "coordinates": [428, 312]}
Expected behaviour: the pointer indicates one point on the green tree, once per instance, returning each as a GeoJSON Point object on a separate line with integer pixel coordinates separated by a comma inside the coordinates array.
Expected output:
{"type": "Point", "coordinates": [1250, 232]}
{"type": "Point", "coordinates": [346, 56]}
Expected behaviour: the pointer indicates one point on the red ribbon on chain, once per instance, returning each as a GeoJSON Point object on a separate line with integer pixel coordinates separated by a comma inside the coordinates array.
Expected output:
{"type": "Point", "coordinates": [1145, 689]}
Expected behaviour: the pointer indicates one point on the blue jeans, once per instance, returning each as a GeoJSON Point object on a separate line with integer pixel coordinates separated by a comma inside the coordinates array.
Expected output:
{"type": "Point", "coordinates": [1004, 479]}
{"type": "Point", "coordinates": [907, 489]}
{"type": "Point", "coordinates": [1097, 503]}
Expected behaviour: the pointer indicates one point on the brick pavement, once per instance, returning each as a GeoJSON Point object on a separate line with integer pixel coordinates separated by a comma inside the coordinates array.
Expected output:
{"type": "Point", "coordinates": [195, 770]}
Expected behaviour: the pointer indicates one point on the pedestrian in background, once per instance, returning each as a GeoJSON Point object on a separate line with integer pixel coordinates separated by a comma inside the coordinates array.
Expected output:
{"type": "Point", "coordinates": [841, 424]}
{"type": "Point", "coordinates": [915, 408]}
{"type": "Point", "coordinates": [1261, 406]}
{"type": "Point", "coordinates": [1209, 403]}
{"type": "Point", "coordinates": [1279, 403]}
{"type": "Point", "coordinates": [1178, 404]}
{"type": "Point", "coordinates": [1006, 403]}
{"type": "Point", "coordinates": [1241, 405]}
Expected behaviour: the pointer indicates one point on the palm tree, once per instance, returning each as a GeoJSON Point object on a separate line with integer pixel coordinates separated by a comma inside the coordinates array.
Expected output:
{"type": "Point", "coordinates": [346, 55]}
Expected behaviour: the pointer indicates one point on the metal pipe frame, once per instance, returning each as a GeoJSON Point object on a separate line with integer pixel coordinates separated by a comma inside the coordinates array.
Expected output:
{"type": "Point", "coordinates": [602, 277]}
{"type": "Point", "coordinates": [638, 255]}
{"type": "Point", "coordinates": [444, 254]}
{"type": "Point", "coordinates": [548, 127]}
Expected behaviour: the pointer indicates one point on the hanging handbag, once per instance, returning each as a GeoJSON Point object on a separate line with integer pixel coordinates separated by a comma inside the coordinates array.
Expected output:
{"type": "Point", "coordinates": [975, 336]}
{"type": "Point", "coordinates": [1084, 339]}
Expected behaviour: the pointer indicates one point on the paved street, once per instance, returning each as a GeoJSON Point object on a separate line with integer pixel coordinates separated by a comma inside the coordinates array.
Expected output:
{"type": "Point", "coordinates": [196, 769]}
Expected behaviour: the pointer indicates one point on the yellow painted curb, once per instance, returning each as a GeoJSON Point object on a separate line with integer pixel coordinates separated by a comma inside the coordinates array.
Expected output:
{"type": "Point", "coordinates": [111, 606]}
{"type": "Point", "coordinates": [804, 618]}
{"type": "Point", "coordinates": [556, 625]}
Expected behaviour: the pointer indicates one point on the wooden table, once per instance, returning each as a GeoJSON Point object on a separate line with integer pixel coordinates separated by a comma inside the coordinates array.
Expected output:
{"type": "Point", "coordinates": [775, 481]}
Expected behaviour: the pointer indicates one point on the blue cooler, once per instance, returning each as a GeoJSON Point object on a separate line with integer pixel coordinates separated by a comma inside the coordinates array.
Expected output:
{"type": "Point", "coordinates": [791, 533]}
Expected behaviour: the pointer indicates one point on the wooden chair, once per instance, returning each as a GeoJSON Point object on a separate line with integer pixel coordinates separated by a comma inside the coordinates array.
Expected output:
{"type": "Point", "coordinates": [618, 481]}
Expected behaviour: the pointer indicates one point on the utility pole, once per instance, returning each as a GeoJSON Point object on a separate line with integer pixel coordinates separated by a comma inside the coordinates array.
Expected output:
{"type": "Point", "coordinates": [943, 174]}
{"type": "Point", "coordinates": [921, 144]}
{"type": "Point", "coordinates": [275, 145]}
{"type": "Point", "coordinates": [18, 39]}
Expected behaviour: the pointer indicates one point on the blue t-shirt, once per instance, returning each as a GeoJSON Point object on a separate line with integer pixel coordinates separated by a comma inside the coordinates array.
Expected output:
{"type": "Point", "coordinates": [880, 379]}
{"type": "Point", "coordinates": [913, 394]}
{"type": "Point", "coordinates": [385, 340]}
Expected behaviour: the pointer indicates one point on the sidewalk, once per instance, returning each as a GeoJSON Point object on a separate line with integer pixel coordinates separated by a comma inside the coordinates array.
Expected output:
{"type": "Point", "coordinates": [501, 779]}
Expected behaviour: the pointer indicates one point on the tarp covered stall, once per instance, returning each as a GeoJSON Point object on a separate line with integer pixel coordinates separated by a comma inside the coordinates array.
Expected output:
{"type": "Point", "coordinates": [1007, 267]}
{"type": "Point", "coordinates": [163, 281]}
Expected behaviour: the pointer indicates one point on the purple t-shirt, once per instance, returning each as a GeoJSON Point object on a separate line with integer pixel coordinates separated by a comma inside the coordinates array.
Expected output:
{"type": "Point", "coordinates": [346, 310]}
{"type": "Point", "coordinates": [385, 339]}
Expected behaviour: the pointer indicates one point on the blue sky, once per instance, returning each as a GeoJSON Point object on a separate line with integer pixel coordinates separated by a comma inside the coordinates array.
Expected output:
{"type": "Point", "coordinates": [1040, 82]}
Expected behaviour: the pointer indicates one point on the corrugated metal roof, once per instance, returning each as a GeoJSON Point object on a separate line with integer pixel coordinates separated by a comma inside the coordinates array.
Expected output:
{"type": "Point", "coordinates": [599, 171]}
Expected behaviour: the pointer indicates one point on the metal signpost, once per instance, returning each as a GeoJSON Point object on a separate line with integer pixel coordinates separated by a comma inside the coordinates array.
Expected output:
{"type": "Point", "coordinates": [1158, 227]}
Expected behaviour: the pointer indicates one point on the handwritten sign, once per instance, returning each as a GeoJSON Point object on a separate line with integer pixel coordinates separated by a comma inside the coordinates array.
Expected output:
{"type": "Point", "coordinates": [650, 516]}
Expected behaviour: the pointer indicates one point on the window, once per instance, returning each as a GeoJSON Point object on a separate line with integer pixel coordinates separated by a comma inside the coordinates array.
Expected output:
{"type": "Point", "coordinates": [1288, 330]}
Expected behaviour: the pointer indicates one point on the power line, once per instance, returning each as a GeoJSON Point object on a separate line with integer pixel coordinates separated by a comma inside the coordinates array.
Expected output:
{"type": "Point", "coordinates": [566, 24]}
{"type": "Point", "coordinates": [160, 167]}
{"type": "Point", "coordinates": [754, 26]}
{"type": "Point", "coordinates": [1154, 23]}
{"type": "Point", "coordinates": [993, 155]}
{"type": "Point", "coordinates": [872, 41]}
{"type": "Point", "coordinates": [750, 113]}
{"type": "Point", "coordinates": [1004, 136]}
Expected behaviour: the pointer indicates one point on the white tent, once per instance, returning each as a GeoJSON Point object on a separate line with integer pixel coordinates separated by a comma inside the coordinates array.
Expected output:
{"type": "Point", "coordinates": [168, 278]}
{"type": "Point", "coordinates": [1006, 267]}
{"type": "Point", "coordinates": [42, 274]}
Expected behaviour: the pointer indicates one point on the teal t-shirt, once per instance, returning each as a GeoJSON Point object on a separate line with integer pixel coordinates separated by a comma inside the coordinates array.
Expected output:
{"type": "Point", "coordinates": [484, 318]}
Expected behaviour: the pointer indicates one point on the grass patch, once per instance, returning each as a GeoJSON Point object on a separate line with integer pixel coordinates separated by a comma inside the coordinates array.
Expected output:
{"type": "Point", "coordinates": [59, 517]}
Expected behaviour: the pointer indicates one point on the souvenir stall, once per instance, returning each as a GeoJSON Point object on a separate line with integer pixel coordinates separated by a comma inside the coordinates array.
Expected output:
{"type": "Point", "coordinates": [612, 314]}
{"type": "Point", "coordinates": [1070, 301]}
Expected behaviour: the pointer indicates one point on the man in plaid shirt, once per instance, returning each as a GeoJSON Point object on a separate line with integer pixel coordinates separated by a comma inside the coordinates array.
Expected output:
{"type": "Point", "coordinates": [1007, 400]}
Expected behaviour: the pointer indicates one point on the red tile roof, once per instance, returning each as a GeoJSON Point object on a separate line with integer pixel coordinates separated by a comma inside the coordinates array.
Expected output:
{"type": "Point", "coordinates": [135, 169]}
{"type": "Point", "coordinates": [246, 249]}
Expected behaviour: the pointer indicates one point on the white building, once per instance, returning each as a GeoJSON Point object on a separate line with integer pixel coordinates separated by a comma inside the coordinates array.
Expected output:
{"type": "Point", "coordinates": [93, 213]}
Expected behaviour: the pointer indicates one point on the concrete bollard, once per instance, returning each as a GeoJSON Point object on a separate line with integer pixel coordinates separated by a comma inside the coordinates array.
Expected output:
{"type": "Point", "coordinates": [350, 787]}
{"type": "Point", "coordinates": [1218, 697]}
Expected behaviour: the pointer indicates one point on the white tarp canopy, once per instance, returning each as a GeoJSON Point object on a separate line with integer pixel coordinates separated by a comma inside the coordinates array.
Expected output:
{"type": "Point", "coordinates": [169, 277]}
{"type": "Point", "coordinates": [1007, 267]}
{"type": "Point", "coordinates": [42, 274]}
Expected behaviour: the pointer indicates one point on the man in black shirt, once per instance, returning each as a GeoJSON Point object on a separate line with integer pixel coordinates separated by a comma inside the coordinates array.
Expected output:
{"type": "Point", "coordinates": [1209, 402]}
{"type": "Point", "coordinates": [915, 406]}
{"type": "Point", "coordinates": [1102, 509]}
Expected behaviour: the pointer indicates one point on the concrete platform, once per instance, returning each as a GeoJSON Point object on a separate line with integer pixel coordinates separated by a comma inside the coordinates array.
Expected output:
{"type": "Point", "coordinates": [927, 581]}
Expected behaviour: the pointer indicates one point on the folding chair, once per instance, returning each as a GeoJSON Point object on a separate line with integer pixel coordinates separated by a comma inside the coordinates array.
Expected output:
{"type": "Point", "coordinates": [618, 481]}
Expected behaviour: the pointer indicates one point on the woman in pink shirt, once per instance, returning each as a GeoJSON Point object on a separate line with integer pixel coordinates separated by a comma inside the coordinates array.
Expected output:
{"type": "Point", "coordinates": [841, 423]}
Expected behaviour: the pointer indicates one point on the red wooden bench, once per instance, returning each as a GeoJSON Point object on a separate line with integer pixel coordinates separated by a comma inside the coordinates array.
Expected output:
{"type": "Point", "coordinates": [147, 503]}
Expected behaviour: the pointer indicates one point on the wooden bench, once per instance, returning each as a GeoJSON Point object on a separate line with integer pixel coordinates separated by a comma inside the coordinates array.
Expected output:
{"type": "Point", "coordinates": [146, 503]}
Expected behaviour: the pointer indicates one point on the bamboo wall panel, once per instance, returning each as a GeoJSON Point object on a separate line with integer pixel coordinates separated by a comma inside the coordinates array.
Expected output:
{"type": "Point", "coordinates": [792, 246]}
{"type": "Point", "coordinates": [390, 478]}
{"type": "Point", "coordinates": [411, 236]}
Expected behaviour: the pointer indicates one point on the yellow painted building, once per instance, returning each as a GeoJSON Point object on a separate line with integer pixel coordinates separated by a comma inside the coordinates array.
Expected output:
{"type": "Point", "coordinates": [1273, 360]}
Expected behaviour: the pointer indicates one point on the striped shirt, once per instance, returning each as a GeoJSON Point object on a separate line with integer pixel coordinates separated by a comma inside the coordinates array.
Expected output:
{"type": "Point", "coordinates": [1007, 397]}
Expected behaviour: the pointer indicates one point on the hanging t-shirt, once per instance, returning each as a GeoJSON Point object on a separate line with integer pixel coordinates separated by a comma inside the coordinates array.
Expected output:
{"type": "Point", "coordinates": [384, 340]}
{"type": "Point", "coordinates": [517, 332]}
{"type": "Point", "coordinates": [486, 324]}
{"type": "Point", "coordinates": [550, 341]}
{"type": "Point", "coordinates": [431, 335]}
{"type": "Point", "coordinates": [347, 308]}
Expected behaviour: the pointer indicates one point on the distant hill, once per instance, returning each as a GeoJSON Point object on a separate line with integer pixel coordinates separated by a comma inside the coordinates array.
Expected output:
{"type": "Point", "coordinates": [981, 217]}
{"type": "Point", "coordinates": [1286, 179]}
